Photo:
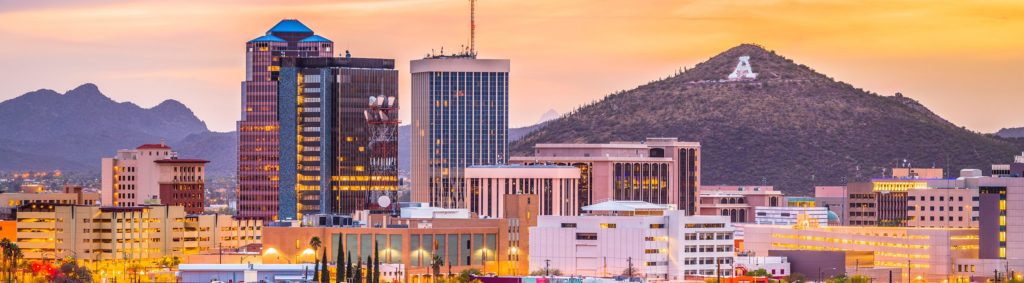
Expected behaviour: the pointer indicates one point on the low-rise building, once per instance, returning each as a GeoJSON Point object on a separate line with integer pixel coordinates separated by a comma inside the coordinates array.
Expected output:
{"type": "Point", "coordinates": [493, 245]}
{"type": "Point", "coordinates": [930, 252]}
{"type": "Point", "coordinates": [556, 187]}
{"type": "Point", "coordinates": [776, 266]}
{"type": "Point", "coordinates": [788, 215]}
{"type": "Point", "coordinates": [138, 234]}
{"type": "Point", "coordinates": [738, 202]}
{"type": "Point", "coordinates": [833, 198]}
{"type": "Point", "coordinates": [661, 244]}
{"type": "Point", "coordinates": [656, 170]}
{"type": "Point", "coordinates": [69, 195]}
{"type": "Point", "coordinates": [943, 208]}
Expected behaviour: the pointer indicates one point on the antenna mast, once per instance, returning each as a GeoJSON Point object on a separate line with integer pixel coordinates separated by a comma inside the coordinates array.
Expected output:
{"type": "Point", "coordinates": [472, 27]}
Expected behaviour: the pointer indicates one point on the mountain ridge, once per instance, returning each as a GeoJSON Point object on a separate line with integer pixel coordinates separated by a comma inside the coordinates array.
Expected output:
{"type": "Point", "coordinates": [790, 126]}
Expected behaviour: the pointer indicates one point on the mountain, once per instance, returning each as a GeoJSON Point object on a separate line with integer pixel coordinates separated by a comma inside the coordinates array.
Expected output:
{"type": "Point", "coordinates": [791, 126]}
{"type": "Point", "coordinates": [548, 116]}
{"type": "Point", "coordinates": [1011, 132]}
{"type": "Point", "coordinates": [46, 130]}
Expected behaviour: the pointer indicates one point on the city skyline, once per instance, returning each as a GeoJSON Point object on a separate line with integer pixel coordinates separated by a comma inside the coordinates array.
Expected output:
{"type": "Point", "coordinates": [949, 57]}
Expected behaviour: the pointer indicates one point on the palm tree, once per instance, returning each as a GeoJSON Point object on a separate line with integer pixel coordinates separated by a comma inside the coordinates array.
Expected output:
{"type": "Point", "coordinates": [315, 244]}
{"type": "Point", "coordinates": [435, 265]}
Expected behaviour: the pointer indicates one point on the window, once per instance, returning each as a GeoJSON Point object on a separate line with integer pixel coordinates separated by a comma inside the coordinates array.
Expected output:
{"type": "Point", "coordinates": [657, 226]}
{"type": "Point", "coordinates": [568, 225]}
{"type": "Point", "coordinates": [608, 225]}
{"type": "Point", "coordinates": [586, 236]}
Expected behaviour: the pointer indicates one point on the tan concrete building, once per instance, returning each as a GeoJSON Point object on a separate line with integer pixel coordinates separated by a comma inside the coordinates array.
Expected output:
{"type": "Point", "coordinates": [139, 233]}
{"type": "Point", "coordinates": [556, 188]}
{"type": "Point", "coordinates": [930, 252]}
{"type": "Point", "coordinates": [152, 174]}
{"type": "Point", "coordinates": [9, 202]}
{"type": "Point", "coordinates": [943, 208]}
{"type": "Point", "coordinates": [656, 170]}
{"type": "Point", "coordinates": [738, 202]}
{"type": "Point", "coordinates": [917, 173]}
{"type": "Point", "coordinates": [499, 246]}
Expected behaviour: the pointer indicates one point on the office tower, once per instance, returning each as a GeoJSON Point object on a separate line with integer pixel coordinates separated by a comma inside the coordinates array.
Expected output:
{"type": "Point", "coordinates": [657, 170]}
{"type": "Point", "coordinates": [258, 140]}
{"type": "Point", "coordinates": [339, 135]}
{"type": "Point", "coordinates": [152, 174]}
{"type": "Point", "coordinates": [459, 119]}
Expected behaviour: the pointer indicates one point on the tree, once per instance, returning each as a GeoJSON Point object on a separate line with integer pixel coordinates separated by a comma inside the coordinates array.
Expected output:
{"type": "Point", "coordinates": [467, 274]}
{"type": "Point", "coordinates": [860, 279]}
{"type": "Point", "coordinates": [542, 272]}
{"type": "Point", "coordinates": [339, 275]}
{"type": "Point", "coordinates": [839, 278]}
{"type": "Point", "coordinates": [376, 263]}
{"type": "Point", "coordinates": [630, 271]}
{"type": "Point", "coordinates": [315, 243]}
{"type": "Point", "coordinates": [325, 273]}
{"type": "Point", "coordinates": [358, 276]}
{"type": "Point", "coordinates": [11, 254]}
{"type": "Point", "coordinates": [348, 267]}
{"type": "Point", "coordinates": [760, 272]}
{"type": "Point", "coordinates": [71, 272]}
{"type": "Point", "coordinates": [435, 266]}
{"type": "Point", "coordinates": [796, 278]}
{"type": "Point", "coordinates": [316, 270]}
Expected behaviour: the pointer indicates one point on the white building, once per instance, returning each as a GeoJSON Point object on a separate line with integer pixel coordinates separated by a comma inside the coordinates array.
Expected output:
{"type": "Point", "coordinates": [660, 244]}
{"type": "Point", "coordinates": [787, 215]}
{"type": "Point", "coordinates": [776, 266]}
{"type": "Point", "coordinates": [556, 188]}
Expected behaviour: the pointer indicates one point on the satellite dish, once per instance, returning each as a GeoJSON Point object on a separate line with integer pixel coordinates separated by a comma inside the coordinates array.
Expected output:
{"type": "Point", "coordinates": [373, 100]}
{"type": "Point", "coordinates": [383, 201]}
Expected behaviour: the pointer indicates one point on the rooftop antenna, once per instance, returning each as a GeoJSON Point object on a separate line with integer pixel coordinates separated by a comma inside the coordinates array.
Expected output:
{"type": "Point", "coordinates": [472, 27]}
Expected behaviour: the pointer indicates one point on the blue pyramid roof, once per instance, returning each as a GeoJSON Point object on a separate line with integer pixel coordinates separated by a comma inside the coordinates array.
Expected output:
{"type": "Point", "coordinates": [290, 25]}
{"type": "Point", "coordinates": [315, 38]}
{"type": "Point", "coordinates": [267, 38]}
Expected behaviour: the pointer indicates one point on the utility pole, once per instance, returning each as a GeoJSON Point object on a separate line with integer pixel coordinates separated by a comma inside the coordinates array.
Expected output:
{"type": "Point", "coordinates": [718, 271]}
{"type": "Point", "coordinates": [547, 267]}
{"type": "Point", "coordinates": [220, 250]}
{"type": "Point", "coordinates": [629, 270]}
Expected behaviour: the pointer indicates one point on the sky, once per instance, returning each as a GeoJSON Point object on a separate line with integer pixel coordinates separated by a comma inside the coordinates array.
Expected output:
{"type": "Point", "coordinates": [959, 58]}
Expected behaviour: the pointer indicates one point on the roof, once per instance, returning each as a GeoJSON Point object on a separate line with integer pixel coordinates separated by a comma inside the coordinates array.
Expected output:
{"type": "Point", "coordinates": [519, 166]}
{"type": "Point", "coordinates": [315, 38]}
{"type": "Point", "coordinates": [623, 205]}
{"type": "Point", "coordinates": [290, 25]}
{"type": "Point", "coordinates": [237, 267]}
{"type": "Point", "coordinates": [153, 146]}
{"type": "Point", "coordinates": [176, 160]}
{"type": "Point", "coordinates": [268, 38]}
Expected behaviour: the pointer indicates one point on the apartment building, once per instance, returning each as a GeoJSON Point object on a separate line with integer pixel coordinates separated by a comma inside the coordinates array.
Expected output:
{"type": "Point", "coordinates": [138, 233]}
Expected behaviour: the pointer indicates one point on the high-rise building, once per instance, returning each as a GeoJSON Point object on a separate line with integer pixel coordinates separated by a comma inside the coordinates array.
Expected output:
{"type": "Point", "coordinates": [258, 129]}
{"type": "Point", "coordinates": [459, 119]}
{"type": "Point", "coordinates": [339, 135]}
{"type": "Point", "coordinates": [153, 174]}
{"type": "Point", "coordinates": [657, 170]}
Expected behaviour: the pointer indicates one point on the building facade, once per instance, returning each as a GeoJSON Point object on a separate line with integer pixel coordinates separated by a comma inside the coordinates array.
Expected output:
{"type": "Point", "coordinates": [556, 188]}
{"type": "Point", "coordinates": [153, 174]}
{"type": "Point", "coordinates": [657, 170]}
{"type": "Point", "coordinates": [496, 246]}
{"type": "Point", "coordinates": [833, 198]}
{"type": "Point", "coordinates": [140, 234]}
{"type": "Point", "coordinates": [738, 202]}
{"type": "Point", "coordinates": [943, 208]}
{"type": "Point", "coordinates": [258, 129]}
{"type": "Point", "coordinates": [459, 119]}
{"type": "Point", "coordinates": [71, 195]}
{"type": "Point", "coordinates": [929, 252]}
{"type": "Point", "coordinates": [788, 215]}
{"type": "Point", "coordinates": [660, 244]}
{"type": "Point", "coordinates": [338, 133]}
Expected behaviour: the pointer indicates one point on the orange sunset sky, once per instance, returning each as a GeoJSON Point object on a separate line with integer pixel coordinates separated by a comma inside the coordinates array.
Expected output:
{"type": "Point", "coordinates": [962, 59]}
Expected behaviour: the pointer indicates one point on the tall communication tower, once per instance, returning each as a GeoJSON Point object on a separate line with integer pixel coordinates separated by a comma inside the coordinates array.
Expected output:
{"type": "Point", "coordinates": [382, 120]}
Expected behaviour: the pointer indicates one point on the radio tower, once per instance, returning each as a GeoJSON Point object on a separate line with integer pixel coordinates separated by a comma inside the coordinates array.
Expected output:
{"type": "Point", "coordinates": [382, 117]}
{"type": "Point", "coordinates": [472, 28]}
